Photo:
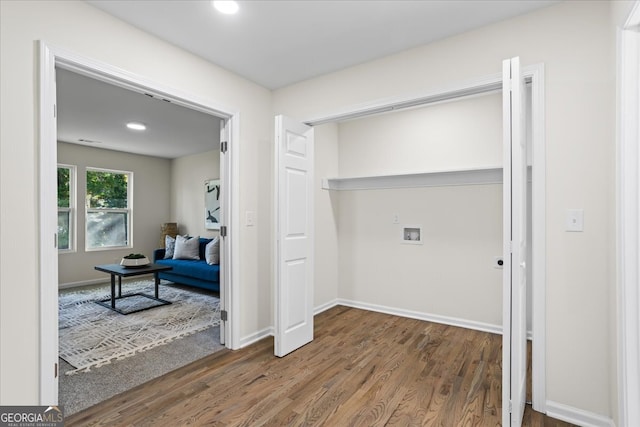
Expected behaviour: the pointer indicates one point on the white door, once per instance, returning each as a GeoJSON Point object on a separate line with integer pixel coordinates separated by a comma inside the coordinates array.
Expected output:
{"type": "Point", "coordinates": [294, 250]}
{"type": "Point", "coordinates": [514, 296]}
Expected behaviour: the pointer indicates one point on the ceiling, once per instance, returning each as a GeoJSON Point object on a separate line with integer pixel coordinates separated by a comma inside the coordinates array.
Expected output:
{"type": "Point", "coordinates": [273, 43]}
{"type": "Point", "coordinates": [92, 110]}
{"type": "Point", "coordinates": [277, 43]}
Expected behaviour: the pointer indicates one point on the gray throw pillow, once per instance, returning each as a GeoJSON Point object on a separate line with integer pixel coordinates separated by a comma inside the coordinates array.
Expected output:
{"type": "Point", "coordinates": [212, 251]}
{"type": "Point", "coordinates": [169, 247]}
{"type": "Point", "coordinates": [187, 247]}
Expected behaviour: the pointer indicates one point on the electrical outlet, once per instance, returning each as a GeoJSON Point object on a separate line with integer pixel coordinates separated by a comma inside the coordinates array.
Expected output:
{"type": "Point", "coordinates": [575, 220]}
{"type": "Point", "coordinates": [396, 219]}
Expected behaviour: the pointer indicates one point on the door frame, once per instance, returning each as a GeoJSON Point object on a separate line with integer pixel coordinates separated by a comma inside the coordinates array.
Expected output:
{"type": "Point", "coordinates": [50, 57]}
{"type": "Point", "coordinates": [628, 217]}
{"type": "Point", "coordinates": [533, 74]}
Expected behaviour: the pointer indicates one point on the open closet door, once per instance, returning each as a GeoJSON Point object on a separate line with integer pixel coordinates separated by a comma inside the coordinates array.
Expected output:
{"type": "Point", "coordinates": [514, 294]}
{"type": "Point", "coordinates": [294, 234]}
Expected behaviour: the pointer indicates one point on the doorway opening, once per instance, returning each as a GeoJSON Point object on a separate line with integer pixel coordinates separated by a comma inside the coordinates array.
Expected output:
{"type": "Point", "coordinates": [52, 59]}
{"type": "Point", "coordinates": [166, 164]}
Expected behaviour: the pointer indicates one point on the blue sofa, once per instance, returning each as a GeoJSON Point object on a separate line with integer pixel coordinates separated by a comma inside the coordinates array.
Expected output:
{"type": "Point", "coordinates": [190, 272]}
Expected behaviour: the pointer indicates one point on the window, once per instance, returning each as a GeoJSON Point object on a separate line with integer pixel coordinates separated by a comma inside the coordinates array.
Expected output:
{"type": "Point", "coordinates": [66, 208]}
{"type": "Point", "coordinates": [109, 209]}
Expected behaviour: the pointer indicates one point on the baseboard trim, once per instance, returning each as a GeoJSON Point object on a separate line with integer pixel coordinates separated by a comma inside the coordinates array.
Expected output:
{"type": "Point", "coordinates": [446, 320]}
{"type": "Point", "coordinates": [494, 329]}
{"type": "Point", "coordinates": [577, 416]}
{"type": "Point", "coordinates": [83, 283]}
{"type": "Point", "coordinates": [257, 336]}
{"type": "Point", "coordinates": [326, 306]}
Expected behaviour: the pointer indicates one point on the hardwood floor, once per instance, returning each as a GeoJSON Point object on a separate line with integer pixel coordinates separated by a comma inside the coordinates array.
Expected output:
{"type": "Point", "coordinates": [362, 369]}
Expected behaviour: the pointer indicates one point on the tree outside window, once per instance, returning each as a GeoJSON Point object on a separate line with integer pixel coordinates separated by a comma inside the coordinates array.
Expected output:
{"type": "Point", "coordinates": [66, 208]}
{"type": "Point", "coordinates": [108, 206]}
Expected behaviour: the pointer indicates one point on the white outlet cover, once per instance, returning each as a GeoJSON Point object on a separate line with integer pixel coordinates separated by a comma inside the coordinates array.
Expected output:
{"type": "Point", "coordinates": [249, 218]}
{"type": "Point", "coordinates": [575, 220]}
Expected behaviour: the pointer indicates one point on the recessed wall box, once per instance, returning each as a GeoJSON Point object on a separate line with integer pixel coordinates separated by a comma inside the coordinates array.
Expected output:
{"type": "Point", "coordinates": [412, 234]}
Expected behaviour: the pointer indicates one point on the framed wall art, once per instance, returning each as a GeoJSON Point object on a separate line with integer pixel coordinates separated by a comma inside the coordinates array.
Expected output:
{"type": "Point", "coordinates": [212, 204]}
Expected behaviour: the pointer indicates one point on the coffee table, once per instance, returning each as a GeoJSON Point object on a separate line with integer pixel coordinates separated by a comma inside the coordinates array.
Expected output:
{"type": "Point", "coordinates": [120, 271]}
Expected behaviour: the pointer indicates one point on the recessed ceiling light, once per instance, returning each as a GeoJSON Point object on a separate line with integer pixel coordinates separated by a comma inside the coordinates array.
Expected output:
{"type": "Point", "coordinates": [228, 7]}
{"type": "Point", "coordinates": [136, 126]}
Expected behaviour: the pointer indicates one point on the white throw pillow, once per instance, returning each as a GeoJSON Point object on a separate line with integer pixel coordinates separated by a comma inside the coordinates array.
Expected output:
{"type": "Point", "coordinates": [212, 251]}
{"type": "Point", "coordinates": [187, 247]}
{"type": "Point", "coordinates": [169, 247]}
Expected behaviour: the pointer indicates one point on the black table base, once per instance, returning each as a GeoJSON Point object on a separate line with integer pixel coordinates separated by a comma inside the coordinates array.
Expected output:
{"type": "Point", "coordinates": [107, 303]}
{"type": "Point", "coordinates": [116, 270]}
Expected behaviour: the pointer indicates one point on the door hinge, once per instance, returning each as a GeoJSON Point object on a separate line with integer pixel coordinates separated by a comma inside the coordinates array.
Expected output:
{"type": "Point", "coordinates": [223, 146]}
{"type": "Point", "coordinates": [510, 406]}
{"type": "Point", "coordinates": [224, 315]}
{"type": "Point", "coordinates": [55, 111]}
{"type": "Point", "coordinates": [55, 240]}
{"type": "Point", "coordinates": [223, 230]}
{"type": "Point", "coordinates": [55, 370]}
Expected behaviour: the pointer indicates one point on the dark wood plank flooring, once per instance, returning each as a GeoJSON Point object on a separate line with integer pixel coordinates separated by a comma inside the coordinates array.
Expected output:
{"type": "Point", "coordinates": [362, 369]}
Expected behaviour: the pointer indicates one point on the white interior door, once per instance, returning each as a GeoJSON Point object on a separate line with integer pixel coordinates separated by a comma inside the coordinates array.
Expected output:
{"type": "Point", "coordinates": [514, 339]}
{"type": "Point", "coordinates": [294, 251]}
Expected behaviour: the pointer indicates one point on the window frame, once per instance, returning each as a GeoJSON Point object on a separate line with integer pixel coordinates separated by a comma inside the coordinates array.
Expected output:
{"type": "Point", "coordinates": [128, 210]}
{"type": "Point", "coordinates": [71, 210]}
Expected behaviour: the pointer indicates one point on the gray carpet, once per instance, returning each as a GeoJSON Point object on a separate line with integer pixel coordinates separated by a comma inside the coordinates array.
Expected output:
{"type": "Point", "coordinates": [85, 389]}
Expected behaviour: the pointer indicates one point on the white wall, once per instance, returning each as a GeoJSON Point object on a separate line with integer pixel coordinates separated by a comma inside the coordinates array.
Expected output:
{"type": "Point", "coordinates": [81, 28]}
{"type": "Point", "coordinates": [151, 182]}
{"type": "Point", "coordinates": [450, 274]}
{"type": "Point", "coordinates": [187, 191]}
{"type": "Point", "coordinates": [326, 216]}
{"type": "Point", "coordinates": [575, 42]}
{"type": "Point", "coordinates": [462, 225]}
{"type": "Point", "coordinates": [461, 134]}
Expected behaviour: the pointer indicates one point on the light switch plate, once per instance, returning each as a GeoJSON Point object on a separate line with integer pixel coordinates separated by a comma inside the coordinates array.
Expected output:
{"type": "Point", "coordinates": [575, 220]}
{"type": "Point", "coordinates": [249, 219]}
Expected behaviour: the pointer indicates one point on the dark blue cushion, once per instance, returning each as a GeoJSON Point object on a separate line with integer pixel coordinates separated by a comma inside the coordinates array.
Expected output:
{"type": "Point", "coordinates": [196, 269]}
{"type": "Point", "coordinates": [202, 247]}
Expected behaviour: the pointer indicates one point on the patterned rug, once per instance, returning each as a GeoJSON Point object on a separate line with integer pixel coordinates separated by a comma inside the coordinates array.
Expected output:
{"type": "Point", "coordinates": [91, 335]}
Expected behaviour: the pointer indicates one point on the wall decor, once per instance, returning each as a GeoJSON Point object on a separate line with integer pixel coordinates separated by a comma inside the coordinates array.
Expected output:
{"type": "Point", "coordinates": [212, 204]}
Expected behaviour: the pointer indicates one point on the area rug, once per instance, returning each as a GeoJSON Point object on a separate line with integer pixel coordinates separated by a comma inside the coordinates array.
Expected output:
{"type": "Point", "coordinates": [91, 335]}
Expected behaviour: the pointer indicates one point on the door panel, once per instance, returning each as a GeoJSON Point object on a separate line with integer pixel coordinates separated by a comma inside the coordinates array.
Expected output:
{"type": "Point", "coordinates": [294, 251]}
{"type": "Point", "coordinates": [514, 356]}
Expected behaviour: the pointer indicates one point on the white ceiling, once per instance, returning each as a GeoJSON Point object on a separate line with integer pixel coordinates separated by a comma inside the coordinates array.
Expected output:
{"type": "Point", "coordinates": [273, 43]}
{"type": "Point", "coordinates": [277, 43]}
{"type": "Point", "coordinates": [97, 111]}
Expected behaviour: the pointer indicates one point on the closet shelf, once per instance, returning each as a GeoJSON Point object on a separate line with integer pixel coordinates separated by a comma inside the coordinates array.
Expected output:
{"type": "Point", "coordinates": [425, 179]}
